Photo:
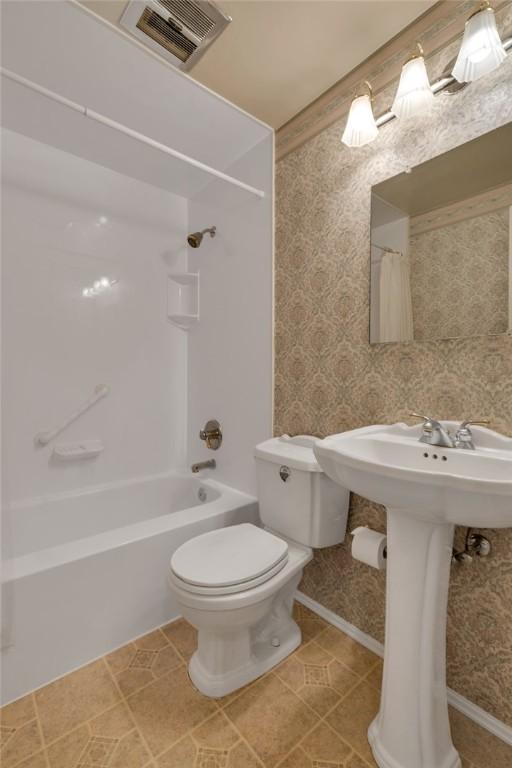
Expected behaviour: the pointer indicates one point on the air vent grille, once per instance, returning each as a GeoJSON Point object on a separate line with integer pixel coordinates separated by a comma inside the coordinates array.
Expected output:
{"type": "Point", "coordinates": [191, 15]}
{"type": "Point", "coordinates": [166, 34]}
{"type": "Point", "coordinates": [179, 30]}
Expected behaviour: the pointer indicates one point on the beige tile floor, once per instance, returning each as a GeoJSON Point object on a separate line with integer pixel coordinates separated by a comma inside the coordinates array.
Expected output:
{"type": "Point", "coordinates": [136, 708]}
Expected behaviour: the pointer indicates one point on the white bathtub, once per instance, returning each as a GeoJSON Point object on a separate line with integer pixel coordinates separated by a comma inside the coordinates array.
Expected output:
{"type": "Point", "coordinates": [84, 573]}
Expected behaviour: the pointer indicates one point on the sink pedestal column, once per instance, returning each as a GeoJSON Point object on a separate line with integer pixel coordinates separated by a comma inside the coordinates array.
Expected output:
{"type": "Point", "coordinates": [412, 728]}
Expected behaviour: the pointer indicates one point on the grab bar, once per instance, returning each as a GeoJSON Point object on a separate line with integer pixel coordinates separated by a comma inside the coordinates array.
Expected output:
{"type": "Point", "coordinates": [101, 390]}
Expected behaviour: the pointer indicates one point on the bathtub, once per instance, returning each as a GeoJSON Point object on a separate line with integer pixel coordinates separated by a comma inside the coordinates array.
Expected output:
{"type": "Point", "coordinates": [84, 573]}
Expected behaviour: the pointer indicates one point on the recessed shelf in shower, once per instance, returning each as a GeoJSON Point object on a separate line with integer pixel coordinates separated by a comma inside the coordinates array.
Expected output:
{"type": "Point", "coordinates": [183, 299]}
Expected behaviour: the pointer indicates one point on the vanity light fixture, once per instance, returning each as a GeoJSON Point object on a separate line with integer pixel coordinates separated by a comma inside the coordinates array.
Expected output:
{"type": "Point", "coordinates": [99, 286]}
{"type": "Point", "coordinates": [414, 92]}
{"type": "Point", "coordinates": [361, 127]}
{"type": "Point", "coordinates": [482, 50]}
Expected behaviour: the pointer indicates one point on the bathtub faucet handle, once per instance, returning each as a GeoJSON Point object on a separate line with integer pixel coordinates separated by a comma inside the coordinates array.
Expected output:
{"type": "Point", "coordinates": [211, 434]}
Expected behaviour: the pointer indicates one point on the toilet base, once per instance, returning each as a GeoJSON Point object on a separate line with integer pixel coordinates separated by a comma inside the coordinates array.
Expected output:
{"type": "Point", "coordinates": [237, 646]}
{"type": "Point", "coordinates": [263, 657]}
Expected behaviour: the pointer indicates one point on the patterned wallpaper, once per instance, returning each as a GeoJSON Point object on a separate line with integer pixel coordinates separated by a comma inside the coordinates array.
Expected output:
{"type": "Point", "coordinates": [459, 278]}
{"type": "Point", "coordinates": [328, 378]}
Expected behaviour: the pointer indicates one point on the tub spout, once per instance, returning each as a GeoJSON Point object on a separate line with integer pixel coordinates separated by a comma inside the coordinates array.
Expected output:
{"type": "Point", "coordinates": [210, 464]}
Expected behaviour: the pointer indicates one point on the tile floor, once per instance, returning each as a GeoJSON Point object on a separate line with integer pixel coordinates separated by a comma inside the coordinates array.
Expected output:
{"type": "Point", "coordinates": [136, 708]}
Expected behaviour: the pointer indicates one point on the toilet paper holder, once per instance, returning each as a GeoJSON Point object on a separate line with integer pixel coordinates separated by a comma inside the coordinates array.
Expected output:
{"type": "Point", "coordinates": [385, 552]}
{"type": "Point", "coordinates": [369, 546]}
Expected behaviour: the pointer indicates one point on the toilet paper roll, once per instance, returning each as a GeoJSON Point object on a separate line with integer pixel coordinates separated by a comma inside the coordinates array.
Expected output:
{"type": "Point", "coordinates": [369, 547]}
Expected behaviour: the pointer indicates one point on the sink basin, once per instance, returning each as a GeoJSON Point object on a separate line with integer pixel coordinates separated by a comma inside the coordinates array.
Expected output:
{"type": "Point", "coordinates": [389, 465]}
{"type": "Point", "coordinates": [427, 490]}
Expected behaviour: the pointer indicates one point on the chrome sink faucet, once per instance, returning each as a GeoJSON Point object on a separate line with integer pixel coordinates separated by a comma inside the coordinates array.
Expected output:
{"type": "Point", "coordinates": [434, 433]}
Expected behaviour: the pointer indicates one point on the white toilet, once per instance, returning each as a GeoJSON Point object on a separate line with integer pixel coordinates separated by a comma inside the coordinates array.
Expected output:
{"type": "Point", "coordinates": [236, 585]}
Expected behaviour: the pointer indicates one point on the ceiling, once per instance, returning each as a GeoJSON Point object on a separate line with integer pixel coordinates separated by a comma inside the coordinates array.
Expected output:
{"type": "Point", "coordinates": [277, 56]}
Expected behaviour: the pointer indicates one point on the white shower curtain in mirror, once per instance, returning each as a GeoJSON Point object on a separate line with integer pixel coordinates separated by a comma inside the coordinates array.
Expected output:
{"type": "Point", "coordinates": [395, 298]}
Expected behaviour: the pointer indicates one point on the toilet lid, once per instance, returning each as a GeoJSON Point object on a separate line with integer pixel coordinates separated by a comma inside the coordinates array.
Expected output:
{"type": "Point", "coordinates": [229, 556]}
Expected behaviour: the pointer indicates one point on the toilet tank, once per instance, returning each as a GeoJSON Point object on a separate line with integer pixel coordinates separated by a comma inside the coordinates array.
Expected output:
{"type": "Point", "coordinates": [296, 498]}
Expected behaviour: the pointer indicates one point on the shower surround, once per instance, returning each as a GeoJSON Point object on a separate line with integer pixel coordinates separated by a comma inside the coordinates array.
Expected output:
{"type": "Point", "coordinates": [87, 542]}
{"type": "Point", "coordinates": [328, 378]}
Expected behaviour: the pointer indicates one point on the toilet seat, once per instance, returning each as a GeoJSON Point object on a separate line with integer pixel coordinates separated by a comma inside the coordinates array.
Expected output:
{"type": "Point", "coordinates": [229, 560]}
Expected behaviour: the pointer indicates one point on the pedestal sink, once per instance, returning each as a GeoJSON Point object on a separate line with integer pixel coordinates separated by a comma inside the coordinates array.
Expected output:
{"type": "Point", "coordinates": [426, 490]}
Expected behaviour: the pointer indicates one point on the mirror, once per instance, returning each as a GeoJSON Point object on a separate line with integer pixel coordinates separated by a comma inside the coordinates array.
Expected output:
{"type": "Point", "coordinates": [441, 245]}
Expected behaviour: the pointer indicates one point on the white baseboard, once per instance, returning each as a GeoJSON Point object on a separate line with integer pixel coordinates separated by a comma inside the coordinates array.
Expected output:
{"type": "Point", "coordinates": [475, 713]}
{"type": "Point", "coordinates": [480, 716]}
{"type": "Point", "coordinates": [337, 621]}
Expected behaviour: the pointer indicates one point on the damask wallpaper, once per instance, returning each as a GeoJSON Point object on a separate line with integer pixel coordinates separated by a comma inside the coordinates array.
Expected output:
{"type": "Point", "coordinates": [459, 277]}
{"type": "Point", "coordinates": [328, 378]}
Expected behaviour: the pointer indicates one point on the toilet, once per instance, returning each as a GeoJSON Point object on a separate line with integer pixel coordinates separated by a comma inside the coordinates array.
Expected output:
{"type": "Point", "coordinates": [237, 585]}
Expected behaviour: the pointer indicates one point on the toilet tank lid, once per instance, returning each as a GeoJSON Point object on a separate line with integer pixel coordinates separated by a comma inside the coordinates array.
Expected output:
{"type": "Point", "coordinates": [295, 452]}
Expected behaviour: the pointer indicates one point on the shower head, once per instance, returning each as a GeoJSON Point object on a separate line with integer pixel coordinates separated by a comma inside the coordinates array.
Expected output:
{"type": "Point", "coordinates": [195, 239]}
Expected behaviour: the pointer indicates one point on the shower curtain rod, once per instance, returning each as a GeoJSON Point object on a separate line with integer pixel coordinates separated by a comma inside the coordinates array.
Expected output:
{"type": "Point", "coordinates": [386, 249]}
{"type": "Point", "coordinates": [99, 118]}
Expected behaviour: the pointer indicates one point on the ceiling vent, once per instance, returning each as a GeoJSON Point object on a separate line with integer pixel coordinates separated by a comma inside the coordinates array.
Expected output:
{"type": "Point", "coordinates": [179, 30]}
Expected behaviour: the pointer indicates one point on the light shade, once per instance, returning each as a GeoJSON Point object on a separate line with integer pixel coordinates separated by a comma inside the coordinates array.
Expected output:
{"type": "Point", "coordinates": [361, 127]}
{"type": "Point", "coordinates": [481, 50]}
{"type": "Point", "coordinates": [414, 93]}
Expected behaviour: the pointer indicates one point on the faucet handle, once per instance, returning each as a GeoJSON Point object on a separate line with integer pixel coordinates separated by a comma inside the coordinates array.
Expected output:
{"type": "Point", "coordinates": [211, 434]}
{"type": "Point", "coordinates": [471, 423]}
{"type": "Point", "coordinates": [420, 416]}
{"type": "Point", "coordinates": [429, 424]}
{"type": "Point", "coordinates": [464, 436]}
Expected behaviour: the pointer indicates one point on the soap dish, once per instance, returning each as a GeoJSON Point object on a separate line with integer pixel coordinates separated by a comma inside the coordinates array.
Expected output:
{"type": "Point", "coordinates": [83, 449]}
